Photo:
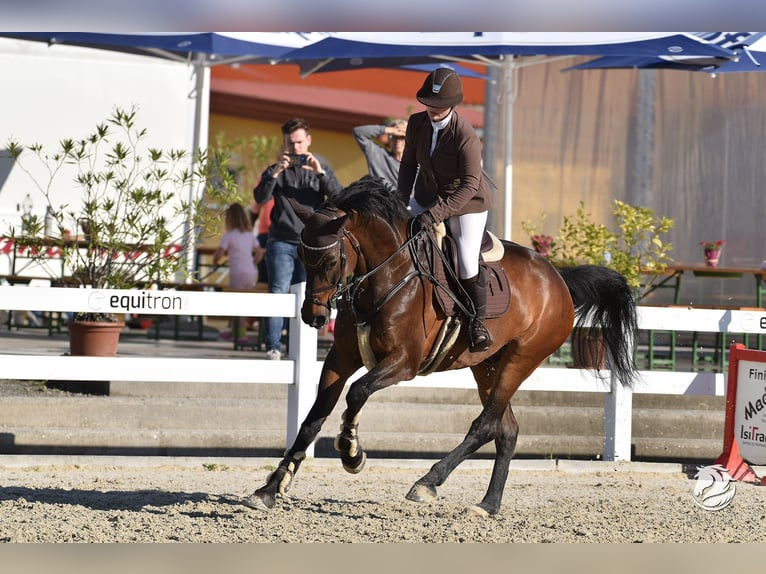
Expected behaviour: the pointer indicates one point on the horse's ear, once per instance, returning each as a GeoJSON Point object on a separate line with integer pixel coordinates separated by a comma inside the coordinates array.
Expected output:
{"type": "Point", "coordinates": [303, 212]}
{"type": "Point", "coordinates": [333, 226]}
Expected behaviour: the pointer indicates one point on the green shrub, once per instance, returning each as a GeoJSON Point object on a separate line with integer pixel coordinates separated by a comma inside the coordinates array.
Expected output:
{"type": "Point", "coordinates": [635, 248]}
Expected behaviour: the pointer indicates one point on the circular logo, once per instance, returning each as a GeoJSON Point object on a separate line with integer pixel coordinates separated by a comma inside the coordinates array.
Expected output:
{"type": "Point", "coordinates": [714, 489]}
{"type": "Point", "coordinates": [749, 322]}
{"type": "Point", "coordinates": [96, 300]}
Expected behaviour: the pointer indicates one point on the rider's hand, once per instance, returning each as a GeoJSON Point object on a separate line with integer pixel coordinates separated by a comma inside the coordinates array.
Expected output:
{"type": "Point", "coordinates": [425, 220]}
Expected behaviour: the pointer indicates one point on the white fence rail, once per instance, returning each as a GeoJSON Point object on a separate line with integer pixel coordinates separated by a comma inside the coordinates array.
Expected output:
{"type": "Point", "coordinates": [301, 371]}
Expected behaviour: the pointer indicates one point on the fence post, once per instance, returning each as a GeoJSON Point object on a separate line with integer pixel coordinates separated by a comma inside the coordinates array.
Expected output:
{"type": "Point", "coordinates": [303, 352]}
{"type": "Point", "coordinates": [618, 405]}
{"type": "Point", "coordinates": [618, 423]}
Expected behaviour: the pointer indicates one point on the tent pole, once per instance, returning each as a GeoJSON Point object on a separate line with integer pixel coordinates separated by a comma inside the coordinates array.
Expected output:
{"type": "Point", "coordinates": [493, 146]}
{"type": "Point", "coordinates": [507, 98]}
{"type": "Point", "coordinates": [199, 141]}
{"type": "Point", "coordinates": [498, 141]}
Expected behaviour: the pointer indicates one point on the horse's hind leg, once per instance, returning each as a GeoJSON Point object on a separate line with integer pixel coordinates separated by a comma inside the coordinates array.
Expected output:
{"type": "Point", "coordinates": [505, 447]}
{"type": "Point", "coordinates": [330, 389]}
{"type": "Point", "coordinates": [496, 422]}
{"type": "Point", "coordinates": [482, 430]}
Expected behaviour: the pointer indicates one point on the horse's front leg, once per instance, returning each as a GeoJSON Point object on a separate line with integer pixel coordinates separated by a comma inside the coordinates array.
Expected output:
{"type": "Point", "coordinates": [384, 374]}
{"type": "Point", "coordinates": [330, 388]}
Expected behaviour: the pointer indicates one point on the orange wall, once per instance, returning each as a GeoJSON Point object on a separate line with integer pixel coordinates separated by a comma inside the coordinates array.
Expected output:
{"type": "Point", "coordinates": [394, 82]}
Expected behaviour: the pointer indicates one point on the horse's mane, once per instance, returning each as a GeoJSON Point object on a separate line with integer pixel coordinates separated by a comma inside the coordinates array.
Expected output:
{"type": "Point", "coordinates": [370, 197]}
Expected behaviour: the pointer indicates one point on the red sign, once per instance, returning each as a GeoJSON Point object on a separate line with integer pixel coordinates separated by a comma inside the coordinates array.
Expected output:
{"type": "Point", "coordinates": [744, 437]}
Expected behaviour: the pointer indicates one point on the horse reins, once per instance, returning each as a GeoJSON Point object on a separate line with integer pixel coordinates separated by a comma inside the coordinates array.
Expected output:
{"type": "Point", "coordinates": [351, 289]}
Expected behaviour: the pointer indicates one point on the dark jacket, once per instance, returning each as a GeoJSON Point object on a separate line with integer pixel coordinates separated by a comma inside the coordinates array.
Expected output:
{"type": "Point", "coordinates": [451, 180]}
{"type": "Point", "coordinates": [302, 185]}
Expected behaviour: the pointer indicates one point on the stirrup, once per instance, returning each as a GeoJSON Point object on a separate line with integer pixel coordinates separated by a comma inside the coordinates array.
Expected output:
{"type": "Point", "coordinates": [479, 337]}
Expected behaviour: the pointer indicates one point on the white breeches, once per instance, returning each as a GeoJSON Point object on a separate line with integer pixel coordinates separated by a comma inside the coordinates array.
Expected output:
{"type": "Point", "coordinates": [467, 230]}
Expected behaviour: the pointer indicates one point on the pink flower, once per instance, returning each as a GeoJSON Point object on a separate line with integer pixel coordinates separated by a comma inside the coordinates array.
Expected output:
{"type": "Point", "coordinates": [542, 244]}
{"type": "Point", "coordinates": [713, 245]}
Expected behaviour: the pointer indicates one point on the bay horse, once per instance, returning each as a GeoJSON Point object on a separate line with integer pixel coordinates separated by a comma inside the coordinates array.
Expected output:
{"type": "Point", "coordinates": [364, 255]}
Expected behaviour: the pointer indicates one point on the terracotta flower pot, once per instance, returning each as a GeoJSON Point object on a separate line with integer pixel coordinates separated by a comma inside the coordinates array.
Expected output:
{"type": "Point", "coordinates": [588, 349]}
{"type": "Point", "coordinates": [90, 339]}
{"type": "Point", "coordinates": [94, 338]}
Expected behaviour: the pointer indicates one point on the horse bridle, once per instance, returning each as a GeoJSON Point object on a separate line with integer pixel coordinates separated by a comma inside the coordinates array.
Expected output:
{"type": "Point", "coordinates": [342, 286]}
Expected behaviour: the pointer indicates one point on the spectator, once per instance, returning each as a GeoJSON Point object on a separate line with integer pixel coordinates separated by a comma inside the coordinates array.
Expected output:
{"type": "Point", "coordinates": [262, 215]}
{"type": "Point", "coordinates": [382, 161]}
{"type": "Point", "coordinates": [443, 153]}
{"type": "Point", "coordinates": [240, 246]}
{"type": "Point", "coordinates": [308, 179]}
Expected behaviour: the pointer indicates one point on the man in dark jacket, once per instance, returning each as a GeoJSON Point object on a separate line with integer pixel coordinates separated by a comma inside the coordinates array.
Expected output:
{"type": "Point", "coordinates": [308, 179]}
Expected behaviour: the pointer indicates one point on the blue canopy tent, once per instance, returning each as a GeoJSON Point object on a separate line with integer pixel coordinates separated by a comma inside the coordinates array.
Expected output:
{"type": "Point", "coordinates": [749, 49]}
{"type": "Point", "coordinates": [500, 52]}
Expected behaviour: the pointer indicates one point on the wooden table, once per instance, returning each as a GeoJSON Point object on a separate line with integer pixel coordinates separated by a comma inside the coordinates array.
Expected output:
{"type": "Point", "coordinates": [672, 279]}
{"type": "Point", "coordinates": [758, 274]}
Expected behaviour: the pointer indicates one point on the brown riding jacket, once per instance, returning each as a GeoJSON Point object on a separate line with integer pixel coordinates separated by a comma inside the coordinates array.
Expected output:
{"type": "Point", "coordinates": [451, 180]}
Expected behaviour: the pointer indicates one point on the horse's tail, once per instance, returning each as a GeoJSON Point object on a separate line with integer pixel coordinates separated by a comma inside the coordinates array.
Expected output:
{"type": "Point", "coordinates": [604, 300]}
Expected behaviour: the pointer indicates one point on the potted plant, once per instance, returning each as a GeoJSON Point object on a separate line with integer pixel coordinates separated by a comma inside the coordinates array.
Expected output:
{"type": "Point", "coordinates": [635, 248]}
{"type": "Point", "coordinates": [712, 251]}
{"type": "Point", "coordinates": [542, 244]}
{"type": "Point", "coordinates": [131, 225]}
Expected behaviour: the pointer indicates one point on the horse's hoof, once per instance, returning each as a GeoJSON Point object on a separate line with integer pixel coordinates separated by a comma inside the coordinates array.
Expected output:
{"type": "Point", "coordinates": [356, 466]}
{"type": "Point", "coordinates": [476, 510]}
{"type": "Point", "coordinates": [259, 501]}
{"type": "Point", "coordinates": [421, 493]}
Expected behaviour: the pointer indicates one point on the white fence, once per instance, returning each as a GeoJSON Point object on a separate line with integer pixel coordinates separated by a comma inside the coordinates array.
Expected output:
{"type": "Point", "coordinates": [301, 371]}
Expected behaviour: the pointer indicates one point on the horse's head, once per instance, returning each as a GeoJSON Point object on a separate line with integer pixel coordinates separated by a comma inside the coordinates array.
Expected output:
{"type": "Point", "coordinates": [323, 252]}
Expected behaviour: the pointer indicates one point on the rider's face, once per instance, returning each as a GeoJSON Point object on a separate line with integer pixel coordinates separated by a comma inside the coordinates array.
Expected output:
{"type": "Point", "coordinates": [437, 114]}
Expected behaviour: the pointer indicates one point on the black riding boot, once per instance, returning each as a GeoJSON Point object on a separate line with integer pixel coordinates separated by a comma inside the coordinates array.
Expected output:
{"type": "Point", "coordinates": [478, 335]}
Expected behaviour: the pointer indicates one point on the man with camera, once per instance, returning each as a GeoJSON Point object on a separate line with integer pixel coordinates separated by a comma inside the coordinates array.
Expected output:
{"type": "Point", "coordinates": [308, 179]}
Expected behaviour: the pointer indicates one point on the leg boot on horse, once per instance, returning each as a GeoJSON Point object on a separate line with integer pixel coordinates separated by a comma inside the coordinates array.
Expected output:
{"type": "Point", "coordinates": [478, 335]}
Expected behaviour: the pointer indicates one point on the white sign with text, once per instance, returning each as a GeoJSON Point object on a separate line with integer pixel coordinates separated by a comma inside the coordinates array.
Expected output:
{"type": "Point", "coordinates": [750, 411]}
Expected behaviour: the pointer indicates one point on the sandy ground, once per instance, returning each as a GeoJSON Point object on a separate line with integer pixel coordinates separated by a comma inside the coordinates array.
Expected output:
{"type": "Point", "coordinates": [92, 499]}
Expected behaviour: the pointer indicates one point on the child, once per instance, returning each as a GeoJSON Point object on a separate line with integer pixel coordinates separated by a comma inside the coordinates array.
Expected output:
{"type": "Point", "coordinates": [241, 247]}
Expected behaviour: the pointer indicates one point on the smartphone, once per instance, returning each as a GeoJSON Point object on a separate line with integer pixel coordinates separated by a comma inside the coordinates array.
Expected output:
{"type": "Point", "coordinates": [298, 159]}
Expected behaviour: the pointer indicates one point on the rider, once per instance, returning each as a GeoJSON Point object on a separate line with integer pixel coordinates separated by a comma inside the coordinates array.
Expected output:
{"type": "Point", "coordinates": [442, 162]}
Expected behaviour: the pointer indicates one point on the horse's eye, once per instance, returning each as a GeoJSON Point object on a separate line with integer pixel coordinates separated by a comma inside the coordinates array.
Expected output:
{"type": "Point", "coordinates": [330, 262]}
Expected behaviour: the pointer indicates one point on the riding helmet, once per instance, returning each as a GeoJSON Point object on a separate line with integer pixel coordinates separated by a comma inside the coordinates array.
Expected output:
{"type": "Point", "coordinates": [441, 89]}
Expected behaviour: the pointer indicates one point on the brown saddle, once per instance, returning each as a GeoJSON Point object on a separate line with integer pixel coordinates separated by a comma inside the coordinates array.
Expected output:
{"type": "Point", "coordinates": [498, 288]}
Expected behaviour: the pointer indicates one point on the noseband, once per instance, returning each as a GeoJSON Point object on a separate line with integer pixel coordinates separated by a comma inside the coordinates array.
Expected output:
{"type": "Point", "coordinates": [339, 284]}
